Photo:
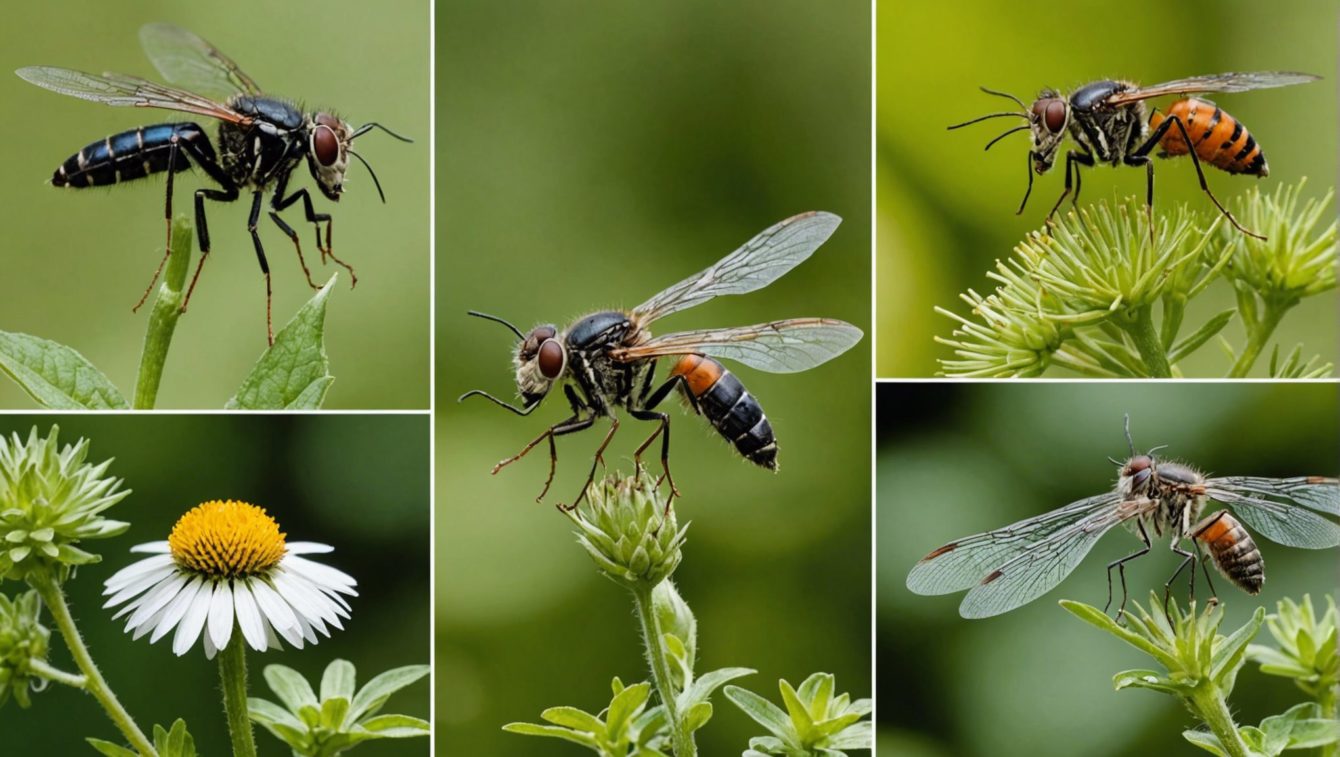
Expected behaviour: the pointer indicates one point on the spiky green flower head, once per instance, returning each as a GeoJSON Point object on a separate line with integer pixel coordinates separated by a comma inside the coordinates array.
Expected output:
{"type": "Point", "coordinates": [23, 639]}
{"type": "Point", "coordinates": [629, 531]}
{"type": "Point", "coordinates": [51, 499]}
{"type": "Point", "coordinates": [1298, 257]}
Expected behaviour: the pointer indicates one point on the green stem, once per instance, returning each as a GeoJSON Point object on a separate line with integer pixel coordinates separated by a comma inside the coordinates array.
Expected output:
{"type": "Point", "coordinates": [52, 673]}
{"type": "Point", "coordinates": [1257, 336]}
{"type": "Point", "coordinates": [1148, 342]}
{"type": "Point", "coordinates": [233, 674]}
{"type": "Point", "coordinates": [163, 317]}
{"type": "Point", "coordinates": [1208, 702]}
{"type": "Point", "coordinates": [1326, 698]}
{"type": "Point", "coordinates": [54, 598]}
{"type": "Point", "coordinates": [681, 739]}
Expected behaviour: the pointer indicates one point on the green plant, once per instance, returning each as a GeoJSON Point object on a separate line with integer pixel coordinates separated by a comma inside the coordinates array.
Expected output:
{"type": "Point", "coordinates": [815, 721]}
{"type": "Point", "coordinates": [292, 374]}
{"type": "Point", "coordinates": [1200, 669]}
{"type": "Point", "coordinates": [635, 540]}
{"type": "Point", "coordinates": [1093, 295]}
{"type": "Point", "coordinates": [1306, 654]}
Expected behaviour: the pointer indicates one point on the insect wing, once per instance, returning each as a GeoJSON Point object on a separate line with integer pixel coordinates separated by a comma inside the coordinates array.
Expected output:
{"type": "Point", "coordinates": [126, 91]}
{"type": "Point", "coordinates": [1283, 520]}
{"type": "Point", "coordinates": [790, 346]}
{"type": "Point", "coordinates": [1230, 82]}
{"type": "Point", "coordinates": [1316, 492]}
{"type": "Point", "coordinates": [761, 261]}
{"type": "Point", "coordinates": [186, 60]}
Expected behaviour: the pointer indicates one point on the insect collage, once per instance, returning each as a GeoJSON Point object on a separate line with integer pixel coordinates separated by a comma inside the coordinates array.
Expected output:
{"type": "Point", "coordinates": [472, 476]}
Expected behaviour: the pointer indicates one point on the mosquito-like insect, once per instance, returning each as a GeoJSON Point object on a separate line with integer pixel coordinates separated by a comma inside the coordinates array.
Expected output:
{"type": "Point", "coordinates": [607, 360]}
{"type": "Point", "coordinates": [261, 140]}
{"type": "Point", "coordinates": [1107, 120]}
{"type": "Point", "coordinates": [1011, 566]}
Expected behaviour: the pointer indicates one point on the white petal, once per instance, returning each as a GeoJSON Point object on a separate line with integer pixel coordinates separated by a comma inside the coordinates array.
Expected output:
{"type": "Point", "coordinates": [307, 548]}
{"type": "Point", "coordinates": [167, 580]}
{"type": "Point", "coordinates": [156, 547]}
{"type": "Point", "coordinates": [148, 625]}
{"type": "Point", "coordinates": [221, 616]}
{"type": "Point", "coordinates": [157, 599]}
{"type": "Point", "coordinates": [192, 622]}
{"type": "Point", "coordinates": [275, 609]}
{"type": "Point", "coordinates": [175, 611]}
{"type": "Point", "coordinates": [304, 601]}
{"type": "Point", "coordinates": [128, 573]}
{"type": "Point", "coordinates": [139, 584]}
{"type": "Point", "coordinates": [321, 575]}
{"type": "Point", "coordinates": [248, 616]}
{"type": "Point", "coordinates": [210, 651]}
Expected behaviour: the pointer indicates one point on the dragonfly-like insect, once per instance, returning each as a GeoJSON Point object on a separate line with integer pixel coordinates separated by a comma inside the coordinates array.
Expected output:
{"type": "Point", "coordinates": [608, 359]}
{"type": "Point", "coordinates": [1107, 120]}
{"type": "Point", "coordinates": [1011, 566]}
{"type": "Point", "coordinates": [261, 140]}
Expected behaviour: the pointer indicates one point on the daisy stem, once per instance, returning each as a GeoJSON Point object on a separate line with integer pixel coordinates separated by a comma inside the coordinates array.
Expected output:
{"type": "Point", "coordinates": [681, 738]}
{"type": "Point", "coordinates": [52, 673]}
{"type": "Point", "coordinates": [233, 675]}
{"type": "Point", "coordinates": [163, 317]}
{"type": "Point", "coordinates": [54, 598]}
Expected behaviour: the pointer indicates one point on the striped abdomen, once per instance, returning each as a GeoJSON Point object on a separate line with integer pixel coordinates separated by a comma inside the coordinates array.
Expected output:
{"type": "Point", "coordinates": [131, 155]}
{"type": "Point", "coordinates": [1234, 552]}
{"type": "Point", "coordinates": [733, 411]}
{"type": "Point", "coordinates": [1220, 139]}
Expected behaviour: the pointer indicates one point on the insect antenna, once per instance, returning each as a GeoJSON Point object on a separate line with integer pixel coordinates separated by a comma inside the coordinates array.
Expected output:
{"type": "Point", "coordinates": [367, 127]}
{"type": "Point", "coordinates": [496, 319]}
{"type": "Point", "coordinates": [500, 403]}
{"type": "Point", "coordinates": [1025, 127]}
{"type": "Point", "coordinates": [979, 119]}
{"type": "Point", "coordinates": [1004, 94]}
{"type": "Point", "coordinates": [1129, 440]}
{"type": "Point", "coordinates": [372, 172]}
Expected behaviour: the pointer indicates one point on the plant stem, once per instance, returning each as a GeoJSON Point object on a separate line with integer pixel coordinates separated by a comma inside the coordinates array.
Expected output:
{"type": "Point", "coordinates": [1326, 698]}
{"type": "Point", "coordinates": [52, 673]}
{"type": "Point", "coordinates": [233, 675]}
{"type": "Point", "coordinates": [54, 598]}
{"type": "Point", "coordinates": [163, 317]}
{"type": "Point", "coordinates": [1148, 342]}
{"type": "Point", "coordinates": [1208, 703]}
{"type": "Point", "coordinates": [681, 740]}
{"type": "Point", "coordinates": [1257, 337]}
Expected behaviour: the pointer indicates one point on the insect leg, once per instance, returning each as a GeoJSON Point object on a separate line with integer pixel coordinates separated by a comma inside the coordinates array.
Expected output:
{"type": "Point", "coordinates": [167, 218]}
{"type": "Point", "coordinates": [647, 413]}
{"type": "Point", "coordinates": [1201, 528]}
{"type": "Point", "coordinates": [203, 155]}
{"type": "Point", "coordinates": [596, 463]}
{"type": "Point", "coordinates": [316, 219]}
{"type": "Point", "coordinates": [278, 203]}
{"type": "Point", "coordinates": [1187, 559]}
{"type": "Point", "coordinates": [1141, 156]}
{"type": "Point", "coordinates": [252, 220]}
{"type": "Point", "coordinates": [571, 425]}
{"type": "Point", "coordinates": [1028, 191]}
{"type": "Point", "coordinates": [1120, 565]}
{"type": "Point", "coordinates": [1073, 160]}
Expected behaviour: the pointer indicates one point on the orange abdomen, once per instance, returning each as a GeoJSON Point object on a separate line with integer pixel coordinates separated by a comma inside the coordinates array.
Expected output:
{"type": "Point", "coordinates": [699, 375]}
{"type": "Point", "coordinates": [1234, 551]}
{"type": "Point", "coordinates": [1220, 139]}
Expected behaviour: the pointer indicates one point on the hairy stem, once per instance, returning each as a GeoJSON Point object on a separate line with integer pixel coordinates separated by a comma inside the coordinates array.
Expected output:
{"type": "Point", "coordinates": [1208, 703]}
{"type": "Point", "coordinates": [163, 317]}
{"type": "Point", "coordinates": [54, 598]}
{"type": "Point", "coordinates": [1257, 335]}
{"type": "Point", "coordinates": [233, 676]}
{"type": "Point", "coordinates": [681, 739]}
{"type": "Point", "coordinates": [1326, 698]}
{"type": "Point", "coordinates": [52, 673]}
{"type": "Point", "coordinates": [1148, 342]}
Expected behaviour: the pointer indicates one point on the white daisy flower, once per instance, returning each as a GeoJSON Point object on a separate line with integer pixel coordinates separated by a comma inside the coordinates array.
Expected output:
{"type": "Point", "coordinates": [226, 564]}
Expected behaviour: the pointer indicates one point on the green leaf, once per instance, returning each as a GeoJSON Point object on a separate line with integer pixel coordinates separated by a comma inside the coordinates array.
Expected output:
{"type": "Point", "coordinates": [290, 687]}
{"type": "Point", "coordinates": [624, 707]}
{"type": "Point", "coordinates": [817, 690]}
{"type": "Point", "coordinates": [697, 716]}
{"type": "Point", "coordinates": [574, 718]}
{"type": "Point", "coordinates": [858, 736]}
{"type": "Point", "coordinates": [55, 376]}
{"type": "Point", "coordinates": [704, 685]}
{"type": "Point", "coordinates": [396, 726]}
{"type": "Point", "coordinates": [800, 717]}
{"type": "Point", "coordinates": [294, 373]}
{"type": "Point", "coordinates": [1231, 654]}
{"type": "Point", "coordinates": [1147, 679]}
{"type": "Point", "coordinates": [765, 713]}
{"type": "Point", "coordinates": [176, 742]}
{"type": "Point", "coordinates": [1207, 741]}
{"type": "Point", "coordinates": [109, 749]}
{"type": "Point", "coordinates": [373, 695]}
{"type": "Point", "coordinates": [338, 680]}
{"type": "Point", "coordinates": [1203, 334]}
{"type": "Point", "coordinates": [552, 731]}
{"type": "Point", "coordinates": [1095, 617]}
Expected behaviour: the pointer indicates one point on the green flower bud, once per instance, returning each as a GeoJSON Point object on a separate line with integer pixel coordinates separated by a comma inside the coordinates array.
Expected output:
{"type": "Point", "coordinates": [628, 530]}
{"type": "Point", "coordinates": [50, 500]}
{"type": "Point", "coordinates": [23, 639]}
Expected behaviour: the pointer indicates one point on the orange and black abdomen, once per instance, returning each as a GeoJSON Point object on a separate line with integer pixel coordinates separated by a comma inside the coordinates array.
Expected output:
{"type": "Point", "coordinates": [1220, 139]}
{"type": "Point", "coordinates": [1234, 552]}
{"type": "Point", "coordinates": [733, 411]}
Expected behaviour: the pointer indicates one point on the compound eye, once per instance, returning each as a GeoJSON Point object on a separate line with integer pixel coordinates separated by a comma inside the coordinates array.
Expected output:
{"type": "Point", "coordinates": [325, 145]}
{"type": "Point", "coordinates": [1054, 116]}
{"type": "Point", "coordinates": [1138, 464]}
{"type": "Point", "coordinates": [551, 359]}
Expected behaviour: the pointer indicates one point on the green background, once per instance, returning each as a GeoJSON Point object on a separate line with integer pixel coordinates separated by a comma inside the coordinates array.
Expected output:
{"type": "Point", "coordinates": [594, 154]}
{"type": "Point", "coordinates": [946, 209]}
{"type": "Point", "coordinates": [77, 261]}
{"type": "Point", "coordinates": [953, 460]}
{"type": "Point", "coordinates": [356, 483]}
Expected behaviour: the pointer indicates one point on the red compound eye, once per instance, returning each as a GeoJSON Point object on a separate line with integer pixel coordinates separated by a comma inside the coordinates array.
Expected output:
{"type": "Point", "coordinates": [1054, 117]}
{"type": "Point", "coordinates": [325, 145]}
{"type": "Point", "coordinates": [551, 358]}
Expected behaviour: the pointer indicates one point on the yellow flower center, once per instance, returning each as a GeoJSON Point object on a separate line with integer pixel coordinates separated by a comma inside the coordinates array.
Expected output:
{"type": "Point", "coordinates": [226, 538]}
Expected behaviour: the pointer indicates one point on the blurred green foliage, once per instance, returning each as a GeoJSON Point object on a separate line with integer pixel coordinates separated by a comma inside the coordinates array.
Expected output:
{"type": "Point", "coordinates": [357, 483]}
{"type": "Point", "coordinates": [77, 261]}
{"type": "Point", "coordinates": [954, 459]}
{"type": "Point", "coordinates": [594, 154]}
{"type": "Point", "coordinates": [946, 209]}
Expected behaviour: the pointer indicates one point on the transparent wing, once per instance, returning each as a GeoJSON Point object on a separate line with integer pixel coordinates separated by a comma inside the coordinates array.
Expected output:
{"type": "Point", "coordinates": [189, 61]}
{"type": "Point", "coordinates": [1317, 492]}
{"type": "Point", "coordinates": [761, 261]}
{"type": "Point", "coordinates": [789, 346]}
{"type": "Point", "coordinates": [965, 563]}
{"type": "Point", "coordinates": [126, 91]}
{"type": "Point", "coordinates": [1283, 520]}
{"type": "Point", "coordinates": [1230, 82]}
